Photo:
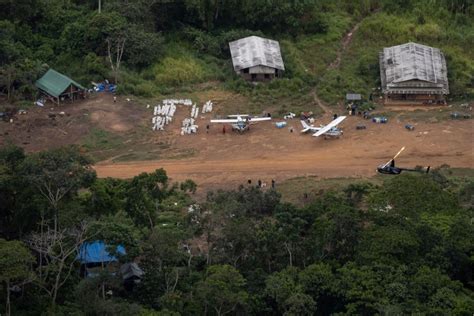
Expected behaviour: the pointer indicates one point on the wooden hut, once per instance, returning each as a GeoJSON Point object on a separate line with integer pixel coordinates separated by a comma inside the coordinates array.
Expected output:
{"type": "Point", "coordinates": [59, 88]}
{"type": "Point", "coordinates": [256, 58]}
{"type": "Point", "coordinates": [413, 73]}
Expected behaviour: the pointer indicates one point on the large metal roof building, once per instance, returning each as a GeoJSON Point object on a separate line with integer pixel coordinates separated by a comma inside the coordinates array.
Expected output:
{"type": "Point", "coordinates": [257, 57]}
{"type": "Point", "coordinates": [413, 69]}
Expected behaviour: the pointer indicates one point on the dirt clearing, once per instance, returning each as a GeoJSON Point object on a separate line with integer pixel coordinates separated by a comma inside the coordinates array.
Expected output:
{"type": "Point", "coordinates": [266, 152]}
{"type": "Point", "coordinates": [119, 136]}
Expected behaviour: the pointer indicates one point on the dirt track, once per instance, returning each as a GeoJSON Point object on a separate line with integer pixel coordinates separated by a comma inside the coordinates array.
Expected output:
{"type": "Point", "coordinates": [268, 153]}
{"type": "Point", "coordinates": [216, 160]}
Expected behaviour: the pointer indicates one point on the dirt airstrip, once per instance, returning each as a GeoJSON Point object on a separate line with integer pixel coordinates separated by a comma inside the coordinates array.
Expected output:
{"type": "Point", "coordinates": [229, 159]}
{"type": "Point", "coordinates": [268, 153]}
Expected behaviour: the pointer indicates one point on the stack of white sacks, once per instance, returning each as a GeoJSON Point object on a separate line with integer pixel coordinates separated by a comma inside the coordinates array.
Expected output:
{"type": "Point", "coordinates": [178, 101]}
{"type": "Point", "coordinates": [188, 126]}
{"type": "Point", "coordinates": [163, 114]}
{"type": "Point", "coordinates": [207, 107]}
{"type": "Point", "coordinates": [194, 111]}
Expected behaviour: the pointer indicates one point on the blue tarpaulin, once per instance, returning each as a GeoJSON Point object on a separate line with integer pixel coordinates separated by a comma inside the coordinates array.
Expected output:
{"type": "Point", "coordinates": [280, 124]}
{"type": "Point", "coordinates": [96, 252]}
{"type": "Point", "coordinates": [105, 87]}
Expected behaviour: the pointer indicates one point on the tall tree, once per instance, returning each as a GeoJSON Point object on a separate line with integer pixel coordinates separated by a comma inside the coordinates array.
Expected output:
{"type": "Point", "coordinates": [143, 197]}
{"type": "Point", "coordinates": [222, 290]}
{"type": "Point", "coordinates": [115, 49]}
{"type": "Point", "coordinates": [15, 266]}
{"type": "Point", "coordinates": [59, 250]}
{"type": "Point", "coordinates": [57, 173]}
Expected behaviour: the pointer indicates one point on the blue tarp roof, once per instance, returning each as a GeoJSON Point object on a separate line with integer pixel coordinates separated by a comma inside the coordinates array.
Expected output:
{"type": "Point", "coordinates": [96, 252]}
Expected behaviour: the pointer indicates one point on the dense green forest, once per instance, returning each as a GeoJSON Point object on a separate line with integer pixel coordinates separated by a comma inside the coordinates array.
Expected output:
{"type": "Point", "coordinates": [403, 247]}
{"type": "Point", "coordinates": [172, 45]}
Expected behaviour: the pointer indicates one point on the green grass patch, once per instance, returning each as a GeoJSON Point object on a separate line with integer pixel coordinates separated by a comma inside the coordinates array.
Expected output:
{"type": "Point", "coordinates": [174, 71]}
{"type": "Point", "coordinates": [359, 68]}
{"type": "Point", "coordinates": [100, 143]}
{"type": "Point", "coordinates": [432, 115]}
{"type": "Point", "coordinates": [160, 152]}
{"type": "Point", "coordinates": [294, 190]}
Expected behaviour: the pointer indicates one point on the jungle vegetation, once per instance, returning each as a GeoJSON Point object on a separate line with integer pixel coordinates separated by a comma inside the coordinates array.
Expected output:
{"type": "Point", "coordinates": [403, 247]}
{"type": "Point", "coordinates": [173, 45]}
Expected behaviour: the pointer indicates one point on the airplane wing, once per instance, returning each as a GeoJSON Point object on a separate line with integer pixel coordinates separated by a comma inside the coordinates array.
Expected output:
{"type": "Point", "coordinates": [399, 152]}
{"type": "Point", "coordinates": [238, 115]}
{"type": "Point", "coordinates": [225, 121]}
{"type": "Point", "coordinates": [258, 119]}
{"type": "Point", "coordinates": [330, 125]}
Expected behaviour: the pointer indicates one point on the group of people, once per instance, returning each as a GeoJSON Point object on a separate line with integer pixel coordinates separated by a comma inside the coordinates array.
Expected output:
{"type": "Point", "coordinates": [261, 184]}
{"type": "Point", "coordinates": [352, 108]}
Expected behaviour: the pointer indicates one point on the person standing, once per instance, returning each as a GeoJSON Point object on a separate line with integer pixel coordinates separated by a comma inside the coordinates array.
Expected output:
{"type": "Point", "coordinates": [273, 183]}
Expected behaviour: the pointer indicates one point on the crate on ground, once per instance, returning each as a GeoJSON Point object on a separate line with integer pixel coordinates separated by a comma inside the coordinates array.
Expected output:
{"type": "Point", "coordinates": [280, 124]}
{"type": "Point", "coordinates": [380, 119]}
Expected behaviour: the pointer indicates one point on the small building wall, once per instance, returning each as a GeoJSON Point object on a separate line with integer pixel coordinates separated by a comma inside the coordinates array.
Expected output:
{"type": "Point", "coordinates": [415, 91]}
{"type": "Point", "coordinates": [73, 93]}
{"type": "Point", "coordinates": [259, 73]}
{"type": "Point", "coordinates": [70, 94]}
{"type": "Point", "coordinates": [415, 98]}
{"type": "Point", "coordinates": [261, 70]}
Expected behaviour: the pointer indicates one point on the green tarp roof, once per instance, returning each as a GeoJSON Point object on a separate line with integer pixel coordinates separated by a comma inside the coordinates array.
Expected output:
{"type": "Point", "coordinates": [55, 83]}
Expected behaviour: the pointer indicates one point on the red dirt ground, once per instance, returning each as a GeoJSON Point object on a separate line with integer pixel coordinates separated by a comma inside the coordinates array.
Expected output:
{"type": "Point", "coordinates": [268, 153]}
{"type": "Point", "coordinates": [36, 131]}
{"type": "Point", "coordinates": [264, 152]}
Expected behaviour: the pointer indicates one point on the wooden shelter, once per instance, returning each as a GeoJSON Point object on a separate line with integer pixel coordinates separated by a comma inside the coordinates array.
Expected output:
{"type": "Point", "coordinates": [256, 58]}
{"type": "Point", "coordinates": [413, 73]}
{"type": "Point", "coordinates": [59, 88]}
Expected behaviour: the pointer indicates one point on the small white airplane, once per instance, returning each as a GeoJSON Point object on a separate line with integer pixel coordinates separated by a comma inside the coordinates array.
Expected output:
{"type": "Point", "coordinates": [241, 122]}
{"type": "Point", "coordinates": [329, 130]}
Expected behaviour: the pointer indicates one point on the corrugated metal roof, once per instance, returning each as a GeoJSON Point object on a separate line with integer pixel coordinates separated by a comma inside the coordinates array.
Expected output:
{"type": "Point", "coordinates": [55, 83]}
{"type": "Point", "coordinates": [255, 51]}
{"type": "Point", "coordinates": [413, 62]}
{"type": "Point", "coordinates": [353, 96]}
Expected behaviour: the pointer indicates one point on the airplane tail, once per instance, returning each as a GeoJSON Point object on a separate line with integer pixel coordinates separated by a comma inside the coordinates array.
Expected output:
{"type": "Point", "coordinates": [306, 127]}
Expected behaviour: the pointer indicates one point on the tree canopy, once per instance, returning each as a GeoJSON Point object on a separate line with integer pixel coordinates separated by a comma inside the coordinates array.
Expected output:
{"type": "Point", "coordinates": [238, 252]}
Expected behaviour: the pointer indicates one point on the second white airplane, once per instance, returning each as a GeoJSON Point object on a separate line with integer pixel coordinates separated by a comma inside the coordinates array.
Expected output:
{"type": "Point", "coordinates": [241, 122]}
{"type": "Point", "coordinates": [329, 130]}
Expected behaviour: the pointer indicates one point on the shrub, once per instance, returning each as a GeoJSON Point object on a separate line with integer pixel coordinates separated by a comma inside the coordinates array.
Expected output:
{"type": "Point", "coordinates": [173, 71]}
